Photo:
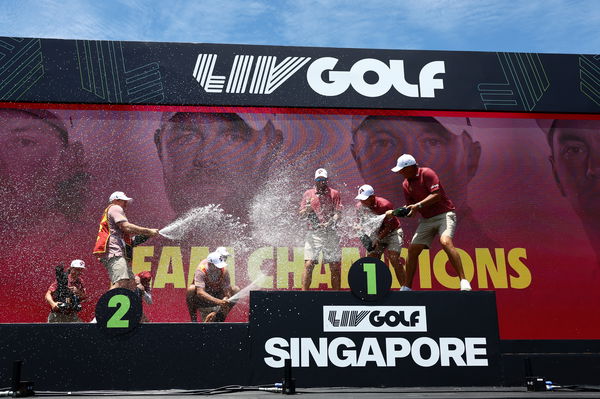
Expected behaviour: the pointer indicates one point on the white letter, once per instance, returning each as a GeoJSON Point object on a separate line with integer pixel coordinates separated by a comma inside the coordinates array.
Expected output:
{"type": "Point", "coordinates": [370, 352]}
{"type": "Point", "coordinates": [400, 83]}
{"type": "Point", "coordinates": [472, 351]}
{"type": "Point", "coordinates": [427, 82]}
{"type": "Point", "coordinates": [308, 350]}
{"type": "Point", "coordinates": [392, 353]}
{"type": "Point", "coordinates": [339, 81]}
{"type": "Point", "coordinates": [349, 356]}
{"type": "Point", "coordinates": [455, 353]}
{"type": "Point", "coordinates": [416, 352]}
{"type": "Point", "coordinates": [272, 347]}
{"type": "Point", "coordinates": [357, 77]}
{"type": "Point", "coordinates": [295, 351]}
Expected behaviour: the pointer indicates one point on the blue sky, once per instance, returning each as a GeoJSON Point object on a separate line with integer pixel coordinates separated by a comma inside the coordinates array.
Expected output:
{"type": "Point", "coordinates": [548, 26]}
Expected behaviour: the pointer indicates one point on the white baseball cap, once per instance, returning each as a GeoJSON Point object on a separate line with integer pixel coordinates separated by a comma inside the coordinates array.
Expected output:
{"type": "Point", "coordinates": [78, 264]}
{"type": "Point", "coordinates": [216, 259]}
{"type": "Point", "coordinates": [320, 173]}
{"type": "Point", "coordinates": [364, 192]}
{"type": "Point", "coordinates": [118, 195]}
{"type": "Point", "coordinates": [404, 161]}
{"type": "Point", "coordinates": [223, 251]}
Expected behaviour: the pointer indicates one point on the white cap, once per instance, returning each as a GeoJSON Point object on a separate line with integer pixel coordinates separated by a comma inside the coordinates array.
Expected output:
{"type": "Point", "coordinates": [223, 251]}
{"type": "Point", "coordinates": [118, 195]}
{"type": "Point", "coordinates": [364, 192]}
{"type": "Point", "coordinates": [320, 173]}
{"type": "Point", "coordinates": [78, 264]}
{"type": "Point", "coordinates": [404, 161]}
{"type": "Point", "coordinates": [216, 259]}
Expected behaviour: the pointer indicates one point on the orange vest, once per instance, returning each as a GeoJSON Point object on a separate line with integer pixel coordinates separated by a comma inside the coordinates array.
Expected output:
{"type": "Point", "coordinates": [101, 246]}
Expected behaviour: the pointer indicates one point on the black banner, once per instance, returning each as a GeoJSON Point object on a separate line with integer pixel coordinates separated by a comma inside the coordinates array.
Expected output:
{"type": "Point", "coordinates": [106, 72]}
{"type": "Point", "coordinates": [405, 339]}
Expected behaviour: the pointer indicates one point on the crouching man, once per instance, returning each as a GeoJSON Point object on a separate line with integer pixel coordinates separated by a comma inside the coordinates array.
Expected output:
{"type": "Point", "coordinates": [211, 290]}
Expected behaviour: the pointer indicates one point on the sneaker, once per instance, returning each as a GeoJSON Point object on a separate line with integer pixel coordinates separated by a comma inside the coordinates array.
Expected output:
{"type": "Point", "coordinates": [405, 288]}
{"type": "Point", "coordinates": [465, 285]}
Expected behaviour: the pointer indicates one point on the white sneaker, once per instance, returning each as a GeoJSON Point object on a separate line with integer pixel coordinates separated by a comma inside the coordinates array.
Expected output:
{"type": "Point", "coordinates": [405, 288]}
{"type": "Point", "coordinates": [465, 285]}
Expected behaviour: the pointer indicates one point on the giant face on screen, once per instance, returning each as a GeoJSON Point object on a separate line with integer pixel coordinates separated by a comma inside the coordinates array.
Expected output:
{"type": "Point", "coordinates": [214, 158]}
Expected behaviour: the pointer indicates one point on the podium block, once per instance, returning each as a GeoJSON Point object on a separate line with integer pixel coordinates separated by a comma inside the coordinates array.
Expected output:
{"type": "Point", "coordinates": [424, 338]}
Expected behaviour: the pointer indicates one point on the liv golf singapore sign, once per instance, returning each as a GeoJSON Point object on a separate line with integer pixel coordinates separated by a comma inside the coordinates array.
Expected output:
{"type": "Point", "coordinates": [405, 339]}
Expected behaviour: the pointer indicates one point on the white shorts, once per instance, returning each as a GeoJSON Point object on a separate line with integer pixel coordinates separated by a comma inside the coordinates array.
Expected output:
{"type": "Point", "coordinates": [325, 241]}
{"type": "Point", "coordinates": [392, 242]}
{"type": "Point", "coordinates": [442, 224]}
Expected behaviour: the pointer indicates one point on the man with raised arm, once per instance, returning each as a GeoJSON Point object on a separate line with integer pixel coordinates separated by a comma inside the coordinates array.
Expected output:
{"type": "Point", "coordinates": [115, 236]}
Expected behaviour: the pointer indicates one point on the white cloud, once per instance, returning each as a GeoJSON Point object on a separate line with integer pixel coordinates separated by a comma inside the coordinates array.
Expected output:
{"type": "Point", "coordinates": [491, 25]}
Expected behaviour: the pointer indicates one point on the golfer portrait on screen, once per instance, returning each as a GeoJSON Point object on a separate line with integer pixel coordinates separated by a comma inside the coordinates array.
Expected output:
{"type": "Point", "coordinates": [575, 162]}
{"type": "Point", "coordinates": [214, 158]}
{"type": "Point", "coordinates": [41, 170]}
{"type": "Point", "coordinates": [377, 141]}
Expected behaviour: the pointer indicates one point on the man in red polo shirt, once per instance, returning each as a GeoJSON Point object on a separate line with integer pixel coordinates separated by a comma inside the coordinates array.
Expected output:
{"type": "Point", "coordinates": [424, 194]}
{"type": "Point", "coordinates": [386, 236]}
{"type": "Point", "coordinates": [321, 206]}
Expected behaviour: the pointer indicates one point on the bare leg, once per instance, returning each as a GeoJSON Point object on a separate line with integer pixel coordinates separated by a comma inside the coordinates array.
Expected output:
{"type": "Point", "coordinates": [309, 265]}
{"type": "Point", "coordinates": [453, 255]}
{"type": "Point", "coordinates": [398, 265]}
{"type": "Point", "coordinates": [336, 275]}
{"type": "Point", "coordinates": [190, 300]}
{"type": "Point", "coordinates": [414, 250]}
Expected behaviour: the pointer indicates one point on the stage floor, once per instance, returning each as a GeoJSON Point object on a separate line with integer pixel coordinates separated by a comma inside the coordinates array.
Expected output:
{"type": "Point", "coordinates": [322, 393]}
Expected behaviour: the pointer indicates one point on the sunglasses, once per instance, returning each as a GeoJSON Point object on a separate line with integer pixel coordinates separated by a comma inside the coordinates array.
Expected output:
{"type": "Point", "coordinates": [321, 179]}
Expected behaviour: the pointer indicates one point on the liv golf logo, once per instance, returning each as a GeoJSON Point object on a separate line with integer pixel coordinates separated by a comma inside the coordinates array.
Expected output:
{"type": "Point", "coordinates": [264, 74]}
{"type": "Point", "coordinates": [374, 318]}
{"type": "Point", "coordinates": [388, 350]}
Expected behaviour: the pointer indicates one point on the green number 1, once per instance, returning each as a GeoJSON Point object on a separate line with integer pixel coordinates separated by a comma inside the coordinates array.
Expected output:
{"type": "Point", "coordinates": [369, 269]}
{"type": "Point", "coordinates": [123, 304]}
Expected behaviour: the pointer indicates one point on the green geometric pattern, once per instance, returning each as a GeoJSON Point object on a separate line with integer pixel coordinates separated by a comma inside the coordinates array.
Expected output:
{"type": "Point", "coordinates": [20, 66]}
{"type": "Point", "coordinates": [525, 83]}
{"type": "Point", "coordinates": [589, 73]}
{"type": "Point", "coordinates": [103, 72]}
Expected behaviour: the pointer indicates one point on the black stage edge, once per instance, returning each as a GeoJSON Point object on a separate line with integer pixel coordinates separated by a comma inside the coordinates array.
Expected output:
{"type": "Point", "coordinates": [76, 357]}
{"type": "Point", "coordinates": [156, 356]}
{"type": "Point", "coordinates": [564, 362]}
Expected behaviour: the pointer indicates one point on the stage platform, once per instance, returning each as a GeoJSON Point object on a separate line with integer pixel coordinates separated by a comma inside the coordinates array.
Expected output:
{"type": "Point", "coordinates": [343, 393]}
{"type": "Point", "coordinates": [406, 345]}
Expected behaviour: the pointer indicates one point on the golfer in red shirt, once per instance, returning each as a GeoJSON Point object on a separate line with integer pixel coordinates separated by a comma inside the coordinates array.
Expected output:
{"type": "Point", "coordinates": [424, 194]}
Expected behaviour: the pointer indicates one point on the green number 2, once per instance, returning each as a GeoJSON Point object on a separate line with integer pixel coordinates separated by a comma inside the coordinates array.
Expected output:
{"type": "Point", "coordinates": [123, 304]}
{"type": "Point", "coordinates": [369, 269]}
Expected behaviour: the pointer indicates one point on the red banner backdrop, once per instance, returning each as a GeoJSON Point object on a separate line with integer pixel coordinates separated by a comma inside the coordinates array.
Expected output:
{"type": "Point", "coordinates": [526, 193]}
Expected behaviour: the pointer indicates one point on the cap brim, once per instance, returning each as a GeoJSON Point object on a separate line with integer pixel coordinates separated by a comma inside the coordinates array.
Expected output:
{"type": "Point", "coordinates": [361, 197]}
{"type": "Point", "coordinates": [220, 265]}
{"type": "Point", "coordinates": [396, 169]}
